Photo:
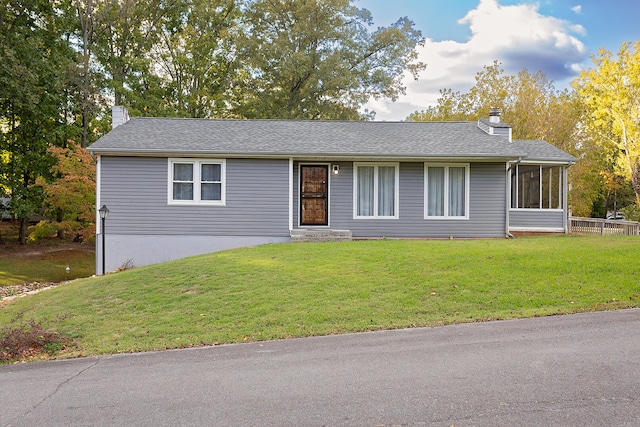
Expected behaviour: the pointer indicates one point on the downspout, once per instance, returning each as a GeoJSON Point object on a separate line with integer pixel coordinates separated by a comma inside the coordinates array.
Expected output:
{"type": "Point", "coordinates": [98, 159]}
{"type": "Point", "coordinates": [290, 196]}
{"type": "Point", "coordinates": [565, 190]}
{"type": "Point", "coordinates": [509, 166]}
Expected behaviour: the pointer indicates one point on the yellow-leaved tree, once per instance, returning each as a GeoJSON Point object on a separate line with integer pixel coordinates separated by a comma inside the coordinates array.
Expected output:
{"type": "Point", "coordinates": [536, 110]}
{"type": "Point", "coordinates": [610, 93]}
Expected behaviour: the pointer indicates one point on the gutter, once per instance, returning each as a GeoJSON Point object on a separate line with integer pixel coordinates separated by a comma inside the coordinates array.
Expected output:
{"type": "Point", "coordinates": [471, 157]}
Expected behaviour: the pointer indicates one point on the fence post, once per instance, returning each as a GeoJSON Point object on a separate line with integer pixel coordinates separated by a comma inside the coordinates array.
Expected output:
{"type": "Point", "coordinates": [602, 228]}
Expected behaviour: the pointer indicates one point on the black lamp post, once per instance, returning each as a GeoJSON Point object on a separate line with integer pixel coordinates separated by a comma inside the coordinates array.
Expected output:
{"type": "Point", "coordinates": [104, 212]}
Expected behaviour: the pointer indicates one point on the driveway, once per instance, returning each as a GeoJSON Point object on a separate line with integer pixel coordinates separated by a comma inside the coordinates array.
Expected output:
{"type": "Point", "coordinates": [576, 370]}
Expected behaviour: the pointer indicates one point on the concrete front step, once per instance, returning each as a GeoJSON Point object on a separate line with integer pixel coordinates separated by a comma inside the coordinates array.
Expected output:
{"type": "Point", "coordinates": [326, 235]}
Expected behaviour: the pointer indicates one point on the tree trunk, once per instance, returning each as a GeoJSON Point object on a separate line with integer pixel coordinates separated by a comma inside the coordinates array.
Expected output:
{"type": "Point", "coordinates": [635, 181]}
{"type": "Point", "coordinates": [59, 218]}
{"type": "Point", "coordinates": [86, 26]}
{"type": "Point", "coordinates": [22, 236]}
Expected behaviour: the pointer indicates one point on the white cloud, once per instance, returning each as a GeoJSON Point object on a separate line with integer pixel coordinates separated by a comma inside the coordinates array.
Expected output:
{"type": "Point", "coordinates": [577, 9]}
{"type": "Point", "coordinates": [518, 36]}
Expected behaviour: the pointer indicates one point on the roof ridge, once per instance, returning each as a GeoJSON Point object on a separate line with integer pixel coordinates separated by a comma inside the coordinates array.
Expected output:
{"type": "Point", "coordinates": [231, 119]}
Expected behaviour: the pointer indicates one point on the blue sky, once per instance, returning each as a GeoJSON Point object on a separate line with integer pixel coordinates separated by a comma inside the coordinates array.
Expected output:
{"type": "Point", "coordinates": [556, 37]}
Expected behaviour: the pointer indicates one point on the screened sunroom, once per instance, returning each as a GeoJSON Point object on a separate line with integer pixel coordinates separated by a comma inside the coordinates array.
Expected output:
{"type": "Point", "coordinates": [538, 197]}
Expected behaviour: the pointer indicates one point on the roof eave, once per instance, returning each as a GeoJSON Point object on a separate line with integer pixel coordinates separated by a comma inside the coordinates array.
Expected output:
{"type": "Point", "coordinates": [549, 161]}
{"type": "Point", "coordinates": [306, 156]}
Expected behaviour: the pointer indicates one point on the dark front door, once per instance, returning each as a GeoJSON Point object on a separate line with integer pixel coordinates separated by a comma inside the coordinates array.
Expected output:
{"type": "Point", "coordinates": [314, 195]}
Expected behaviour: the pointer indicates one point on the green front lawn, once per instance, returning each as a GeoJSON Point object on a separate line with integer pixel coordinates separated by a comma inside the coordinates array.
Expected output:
{"type": "Point", "coordinates": [304, 289]}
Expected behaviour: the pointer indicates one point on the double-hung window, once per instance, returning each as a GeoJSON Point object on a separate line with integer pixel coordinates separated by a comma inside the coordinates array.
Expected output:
{"type": "Point", "coordinates": [196, 181]}
{"type": "Point", "coordinates": [446, 191]}
{"type": "Point", "coordinates": [376, 190]}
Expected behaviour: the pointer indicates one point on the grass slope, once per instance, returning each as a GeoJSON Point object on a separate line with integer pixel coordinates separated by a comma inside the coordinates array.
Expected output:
{"type": "Point", "coordinates": [304, 289]}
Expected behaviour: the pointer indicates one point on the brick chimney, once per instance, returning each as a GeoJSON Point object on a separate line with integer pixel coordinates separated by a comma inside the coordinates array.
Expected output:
{"type": "Point", "coordinates": [119, 116]}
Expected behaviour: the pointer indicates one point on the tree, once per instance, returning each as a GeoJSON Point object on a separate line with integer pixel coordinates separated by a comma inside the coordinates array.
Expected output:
{"type": "Point", "coordinates": [316, 59]}
{"type": "Point", "coordinates": [91, 15]}
{"type": "Point", "coordinates": [70, 194]}
{"type": "Point", "coordinates": [450, 107]}
{"type": "Point", "coordinates": [528, 102]}
{"type": "Point", "coordinates": [34, 60]}
{"type": "Point", "coordinates": [235, 58]}
{"type": "Point", "coordinates": [126, 36]}
{"type": "Point", "coordinates": [197, 56]}
{"type": "Point", "coordinates": [536, 110]}
{"type": "Point", "coordinates": [492, 89]}
{"type": "Point", "coordinates": [611, 95]}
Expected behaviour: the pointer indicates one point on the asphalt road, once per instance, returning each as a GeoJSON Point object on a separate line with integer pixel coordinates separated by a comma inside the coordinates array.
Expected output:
{"type": "Point", "coordinates": [577, 370]}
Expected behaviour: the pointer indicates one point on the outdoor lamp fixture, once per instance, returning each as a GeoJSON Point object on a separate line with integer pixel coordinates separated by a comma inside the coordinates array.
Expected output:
{"type": "Point", "coordinates": [104, 212]}
{"type": "Point", "coordinates": [336, 169]}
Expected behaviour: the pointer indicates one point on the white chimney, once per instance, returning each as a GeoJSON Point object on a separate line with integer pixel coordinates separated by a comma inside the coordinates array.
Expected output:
{"type": "Point", "coordinates": [119, 116]}
{"type": "Point", "coordinates": [494, 115]}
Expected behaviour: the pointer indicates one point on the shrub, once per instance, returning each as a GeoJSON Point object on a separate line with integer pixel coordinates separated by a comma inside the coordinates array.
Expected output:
{"type": "Point", "coordinates": [29, 340]}
{"type": "Point", "coordinates": [631, 213]}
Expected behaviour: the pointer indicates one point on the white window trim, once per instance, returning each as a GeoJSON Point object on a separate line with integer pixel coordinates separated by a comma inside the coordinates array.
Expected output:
{"type": "Point", "coordinates": [396, 197]}
{"type": "Point", "coordinates": [467, 190]}
{"type": "Point", "coordinates": [196, 182]}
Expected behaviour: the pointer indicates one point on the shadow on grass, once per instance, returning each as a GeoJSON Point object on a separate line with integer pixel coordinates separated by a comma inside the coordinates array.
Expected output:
{"type": "Point", "coordinates": [45, 263]}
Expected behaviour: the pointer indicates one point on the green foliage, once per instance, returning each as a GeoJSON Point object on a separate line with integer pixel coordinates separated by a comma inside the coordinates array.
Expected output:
{"type": "Point", "coordinates": [128, 30]}
{"type": "Point", "coordinates": [236, 58]}
{"type": "Point", "coordinates": [618, 192]}
{"type": "Point", "coordinates": [631, 212]}
{"type": "Point", "coordinates": [318, 59]}
{"type": "Point", "coordinates": [198, 57]}
{"type": "Point", "coordinates": [33, 62]}
{"type": "Point", "coordinates": [304, 289]}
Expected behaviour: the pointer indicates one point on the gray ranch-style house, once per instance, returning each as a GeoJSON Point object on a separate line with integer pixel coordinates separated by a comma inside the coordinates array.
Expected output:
{"type": "Point", "coordinates": [181, 187]}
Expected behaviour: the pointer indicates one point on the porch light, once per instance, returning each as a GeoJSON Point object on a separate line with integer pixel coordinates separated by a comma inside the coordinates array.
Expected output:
{"type": "Point", "coordinates": [104, 212]}
{"type": "Point", "coordinates": [336, 169]}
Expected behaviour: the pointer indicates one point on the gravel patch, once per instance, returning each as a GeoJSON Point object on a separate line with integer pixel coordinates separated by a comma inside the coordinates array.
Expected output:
{"type": "Point", "coordinates": [9, 293]}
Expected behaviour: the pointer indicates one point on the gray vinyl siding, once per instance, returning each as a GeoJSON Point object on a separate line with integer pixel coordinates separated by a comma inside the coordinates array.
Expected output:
{"type": "Point", "coordinates": [487, 205]}
{"type": "Point", "coordinates": [495, 130]}
{"type": "Point", "coordinates": [536, 219]}
{"type": "Point", "coordinates": [502, 132]}
{"type": "Point", "coordinates": [135, 191]}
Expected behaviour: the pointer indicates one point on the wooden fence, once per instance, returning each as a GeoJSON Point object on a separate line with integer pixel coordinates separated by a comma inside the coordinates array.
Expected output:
{"type": "Point", "coordinates": [603, 227]}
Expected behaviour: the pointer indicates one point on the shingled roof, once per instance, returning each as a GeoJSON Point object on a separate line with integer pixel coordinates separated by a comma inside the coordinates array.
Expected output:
{"type": "Point", "coordinates": [326, 139]}
{"type": "Point", "coordinates": [543, 151]}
